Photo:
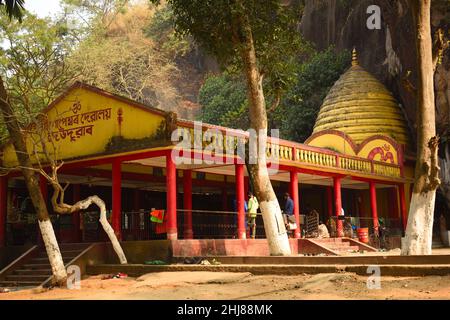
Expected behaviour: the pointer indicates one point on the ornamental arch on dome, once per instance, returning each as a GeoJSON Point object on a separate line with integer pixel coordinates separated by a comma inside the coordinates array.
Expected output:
{"type": "Point", "coordinates": [377, 147]}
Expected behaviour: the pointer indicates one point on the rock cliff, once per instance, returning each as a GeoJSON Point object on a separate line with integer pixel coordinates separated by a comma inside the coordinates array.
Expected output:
{"type": "Point", "coordinates": [388, 53]}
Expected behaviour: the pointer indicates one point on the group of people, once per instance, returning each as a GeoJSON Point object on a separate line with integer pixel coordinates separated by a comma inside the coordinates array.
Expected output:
{"type": "Point", "coordinates": [251, 208]}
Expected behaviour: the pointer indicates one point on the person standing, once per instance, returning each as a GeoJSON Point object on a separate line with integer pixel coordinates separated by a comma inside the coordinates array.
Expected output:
{"type": "Point", "coordinates": [253, 206]}
{"type": "Point", "coordinates": [288, 213]}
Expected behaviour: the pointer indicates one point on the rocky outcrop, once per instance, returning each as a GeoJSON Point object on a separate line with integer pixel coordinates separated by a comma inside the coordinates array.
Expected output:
{"type": "Point", "coordinates": [388, 53]}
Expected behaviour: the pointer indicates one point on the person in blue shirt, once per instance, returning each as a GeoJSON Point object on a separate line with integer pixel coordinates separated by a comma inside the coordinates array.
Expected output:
{"type": "Point", "coordinates": [288, 213]}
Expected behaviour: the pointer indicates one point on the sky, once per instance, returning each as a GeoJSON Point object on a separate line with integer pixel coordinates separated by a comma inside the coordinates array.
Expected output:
{"type": "Point", "coordinates": [42, 8]}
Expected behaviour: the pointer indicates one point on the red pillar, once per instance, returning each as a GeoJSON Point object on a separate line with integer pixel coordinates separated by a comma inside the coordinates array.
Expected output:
{"type": "Point", "coordinates": [403, 213]}
{"type": "Point", "coordinates": [187, 204]}
{"type": "Point", "coordinates": [76, 215]}
{"type": "Point", "coordinates": [3, 209]}
{"type": "Point", "coordinates": [116, 217]}
{"type": "Point", "coordinates": [373, 205]}
{"type": "Point", "coordinates": [171, 185]}
{"type": "Point", "coordinates": [338, 205]}
{"type": "Point", "coordinates": [295, 197]}
{"type": "Point", "coordinates": [240, 198]}
{"type": "Point", "coordinates": [330, 201]}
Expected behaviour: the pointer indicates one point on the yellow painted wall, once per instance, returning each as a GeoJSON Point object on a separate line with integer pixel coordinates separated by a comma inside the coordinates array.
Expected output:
{"type": "Point", "coordinates": [341, 145]}
{"type": "Point", "coordinates": [334, 142]}
{"type": "Point", "coordinates": [84, 121]}
{"type": "Point", "coordinates": [376, 143]}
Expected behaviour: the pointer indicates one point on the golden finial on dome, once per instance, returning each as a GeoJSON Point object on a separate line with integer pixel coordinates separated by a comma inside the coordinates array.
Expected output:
{"type": "Point", "coordinates": [354, 57]}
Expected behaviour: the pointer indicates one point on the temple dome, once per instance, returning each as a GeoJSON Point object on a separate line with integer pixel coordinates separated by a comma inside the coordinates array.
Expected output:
{"type": "Point", "coordinates": [361, 106]}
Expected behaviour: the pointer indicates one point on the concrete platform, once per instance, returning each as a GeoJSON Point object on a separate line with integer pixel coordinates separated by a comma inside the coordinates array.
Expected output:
{"type": "Point", "coordinates": [259, 247]}
{"type": "Point", "coordinates": [136, 270]}
{"type": "Point", "coordinates": [362, 259]}
{"type": "Point", "coordinates": [393, 265]}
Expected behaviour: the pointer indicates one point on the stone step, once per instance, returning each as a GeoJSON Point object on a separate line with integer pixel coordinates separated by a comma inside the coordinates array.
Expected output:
{"type": "Point", "coordinates": [33, 271]}
{"type": "Point", "coordinates": [36, 266]}
{"type": "Point", "coordinates": [336, 245]}
{"type": "Point", "coordinates": [40, 260]}
{"type": "Point", "coordinates": [346, 249]}
{"type": "Point", "coordinates": [6, 284]}
{"type": "Point", "coordinates": [45, 258]}
{"type": "Point", "coordinates": [65, 253]}
{"type": "Point", "coordinates": [27, 278]}
{"type": "Point", "coordinates": [73, 246]}
{"type": "Point", "coordinates": [328, 240]}
{"type": "Point", "coordinates": [135, 270]}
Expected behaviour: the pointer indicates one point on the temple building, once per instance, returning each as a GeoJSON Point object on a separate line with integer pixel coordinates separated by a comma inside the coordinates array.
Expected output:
{"type": "Point", "coordinates": [357, 159]}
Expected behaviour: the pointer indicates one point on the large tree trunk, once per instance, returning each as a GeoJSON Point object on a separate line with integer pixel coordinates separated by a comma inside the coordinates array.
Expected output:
{"type": "Point", "coordinates": [32, 183]}
{"type": "Point", "coordinates": [273, 222]}
{"type": "Point", "coordinates": [63, 208]}
{"type": "Point", "coordinates": [418, 238]}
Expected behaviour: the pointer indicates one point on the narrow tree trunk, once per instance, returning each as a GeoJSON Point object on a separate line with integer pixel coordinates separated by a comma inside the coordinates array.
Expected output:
{"type": "Point", "coordinates": [84, 204]}
{"type": "Point", "coordinates": [273, 222]}
{"type": "Point", "coordinates": [32, 183]}
{"type": "Point", "coordinates": [418, 238]}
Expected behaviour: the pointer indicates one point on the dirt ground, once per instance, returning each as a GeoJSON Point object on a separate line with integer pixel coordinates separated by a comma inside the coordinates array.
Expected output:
{"type": "Point", "coordinates": [235, 286]}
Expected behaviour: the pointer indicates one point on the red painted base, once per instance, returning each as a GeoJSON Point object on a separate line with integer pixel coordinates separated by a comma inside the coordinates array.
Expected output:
{"type": "Point", "coordinates": [188, 234]}
{"type": "Point", "coordinates": [225, 247]}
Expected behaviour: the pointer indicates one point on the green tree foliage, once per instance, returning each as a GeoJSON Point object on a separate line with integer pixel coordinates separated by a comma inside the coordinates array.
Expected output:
{"type": "Point", "coordinates": [90, 15]}
{"type": "Point", "coordinates": [224, 101]}
{"type": "Point", "coordinates": [161, 30]}
{"type": "Point", "coordinates": [32, 64]}
{"type": "Point", "coordinates": [298, 111]}
{"type": "Point", "coordinates": [118, 56]}
{"type": "Point", "coordinates": [13, 8]}
{"type": "Point", "coordinates": [275, 32]}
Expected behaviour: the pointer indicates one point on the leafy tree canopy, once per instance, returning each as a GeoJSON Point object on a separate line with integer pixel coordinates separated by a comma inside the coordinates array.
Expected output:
{"type": "Point", "coordinates": [224, 101]}
{"type": "Point", "coordinates": [13, 8]}
{"type": "Point", "coordinates": [123, 60]}
{"type": "Point", "coordinates": [275, 33]}
{"type": "Point", "coordinates": [161, 29]}
{"type": "Point", "coordinates": [298, 111]}
{"type": "Point", "coordinates": [32, 64]}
